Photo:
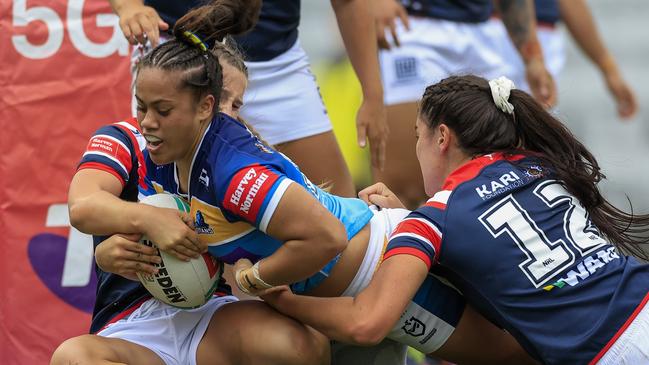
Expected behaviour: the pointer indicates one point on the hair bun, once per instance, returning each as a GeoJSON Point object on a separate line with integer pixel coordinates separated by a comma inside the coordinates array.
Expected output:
{"type": "Point", "coordinates": [217, 19]}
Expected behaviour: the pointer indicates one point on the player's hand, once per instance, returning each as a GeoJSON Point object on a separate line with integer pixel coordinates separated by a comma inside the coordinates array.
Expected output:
{"type": "Point", "coordinates": [173, 232]}
{"type": "Point", "coordinates": [275, 294]}
{"type": "Point", "coordinates": [372, 124]}
{"type": "Point", "coordinates": [379, 195]}
{"type": "Point", "coordinates": [386, 13]}
{"type": "Point", "coordinates": [139, 23]}
{"type": "Point", "coordinates": [541, 82]}
{"type": "Point", "coordinates": [627, 106]}
{"type": "Point", "coordinates": [123, 255]}
{"type": "Point", "coordinates": [242, 264]}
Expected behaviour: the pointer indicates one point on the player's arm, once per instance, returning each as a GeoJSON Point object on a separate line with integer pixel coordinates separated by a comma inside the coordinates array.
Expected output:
{"type": "Point", "coordinates": [358, 31]}
{"type": "Point", "coordinates": [95, 206]}
{"type": "Point", "coordinates": [367, 318]}
{"type": "Point", "coordinates": [138, 21]}
{"type": "Point", "coordinates": [519, 19]}
{"type": "Point", "coordinates": [311, 238]}
{"type": "Point", "coordinates": [579, 21]}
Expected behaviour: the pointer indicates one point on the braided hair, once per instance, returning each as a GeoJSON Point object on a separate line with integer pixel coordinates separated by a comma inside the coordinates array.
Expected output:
{"type": "Point", "coordinates": [194, 36]}
{"type": "Point", "coordinates": [466, 106]}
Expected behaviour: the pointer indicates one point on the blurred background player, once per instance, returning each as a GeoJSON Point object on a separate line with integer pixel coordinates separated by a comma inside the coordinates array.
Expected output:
{"type": "Point", "coordinates": [577, 17]}
{"type": "Point", "coordinates": [281, 85]}
{"type": "Point", "coordinates": [425, 41]}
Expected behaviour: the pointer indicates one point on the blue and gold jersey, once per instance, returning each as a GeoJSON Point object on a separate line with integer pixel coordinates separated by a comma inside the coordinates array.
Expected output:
{"type": "Point", "coordinates": [117, 149]}
{"type": "Point", "coordinates": [236, 183]}
{"type": "Point", "coordinates": [524, 252]}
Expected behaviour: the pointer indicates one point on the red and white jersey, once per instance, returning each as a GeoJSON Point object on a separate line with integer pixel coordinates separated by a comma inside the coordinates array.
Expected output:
{"type": "Point", "coordinates": [525, 253]}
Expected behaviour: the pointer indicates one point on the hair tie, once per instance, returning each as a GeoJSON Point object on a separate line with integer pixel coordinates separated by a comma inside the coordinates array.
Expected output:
{"type": "Point", "coordinates": [195, 40]}
{"type": "Point", "coordinates": [500, 90]}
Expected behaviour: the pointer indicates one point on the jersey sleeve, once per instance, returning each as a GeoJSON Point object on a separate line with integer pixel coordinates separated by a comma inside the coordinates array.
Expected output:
{"type": "Point", "coordinates": [110, 150]}
{"type": "Point", "coordinates": [418, 236]}
{"type": "Point", "coordinates": [253, 193]}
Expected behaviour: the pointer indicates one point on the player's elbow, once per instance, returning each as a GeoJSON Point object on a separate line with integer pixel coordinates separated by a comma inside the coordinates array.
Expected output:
{"type": "Point", "coordinates": [367, 331]}
{"type": "Point", "coordinates": [78, 215]}
{"type": "Point", "coordinates": [334, 239]}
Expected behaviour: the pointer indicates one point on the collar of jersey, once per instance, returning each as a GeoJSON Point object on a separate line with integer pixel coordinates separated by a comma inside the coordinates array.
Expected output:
{"type": "Point", "coordinates": [199, 147]}
{"type": "Point", "coordinates": [472, 168]}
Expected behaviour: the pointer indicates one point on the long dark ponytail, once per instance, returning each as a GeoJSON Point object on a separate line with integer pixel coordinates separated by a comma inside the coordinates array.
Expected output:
{"type": "Point", "coordinates": [465, 104]}
{"type": "Point", "coordinates": [195, 34]}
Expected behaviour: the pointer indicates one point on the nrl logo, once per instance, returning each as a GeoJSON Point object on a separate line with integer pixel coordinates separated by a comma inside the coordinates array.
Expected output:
{"type": "Point", "coordinates": [414, 327]}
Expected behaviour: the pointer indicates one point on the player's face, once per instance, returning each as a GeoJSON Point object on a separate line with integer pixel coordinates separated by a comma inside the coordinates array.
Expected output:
{"type": "Point", "coordinates": [234, 85]}
{"type": "Point", "coordinates": [428, 154]}
{"type": "Point", "coordinates": [171, 118]}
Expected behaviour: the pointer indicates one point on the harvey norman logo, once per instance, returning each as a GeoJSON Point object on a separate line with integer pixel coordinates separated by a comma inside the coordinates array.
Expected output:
{"type": "Point", "coordinates": [503, 184]}
{"type": "Point", "coordinates": [254, 189]}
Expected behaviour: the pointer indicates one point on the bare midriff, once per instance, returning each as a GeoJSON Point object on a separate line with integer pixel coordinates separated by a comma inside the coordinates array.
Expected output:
{"type": "Point", "coordinates": [345, 270]}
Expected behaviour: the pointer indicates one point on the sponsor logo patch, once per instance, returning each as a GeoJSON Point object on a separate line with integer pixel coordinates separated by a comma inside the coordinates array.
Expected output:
{"type": "Point", "coordinates": [247, 191]}
{"type": "Point", "coordinates": [508, 181]}
{"type": "Point", "coordinates": [589, 266]}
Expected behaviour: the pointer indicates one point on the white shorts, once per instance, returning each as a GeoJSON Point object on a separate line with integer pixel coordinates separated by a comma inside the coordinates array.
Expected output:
{"type": "Point", "coordinates": [282, 101]}
{"type": "Point", "coordinates": [172, 333]}
{"type": "Point", "coordinates": [382, 224]}
{"type": "Point", "coordinates": [422, 325]}
{"type": "Point", "coordinates": [632, 347]}
{"type": "Point", "coordinates": [552, 42]}
{"type": "Point", "coordinates": [434, 49]}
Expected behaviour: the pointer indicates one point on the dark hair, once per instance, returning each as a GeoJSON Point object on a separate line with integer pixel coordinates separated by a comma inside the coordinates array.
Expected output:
{"type": "Point", "coordinates": [209, 24]}
{"type": "Point", "coordinates": [466, 106]}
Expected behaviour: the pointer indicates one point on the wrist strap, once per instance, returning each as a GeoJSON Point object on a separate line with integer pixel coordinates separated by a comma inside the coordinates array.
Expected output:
{"type": "Point", "coordinates": [249, 281]}
{"type": "Point", "coordinates": [255, 273]}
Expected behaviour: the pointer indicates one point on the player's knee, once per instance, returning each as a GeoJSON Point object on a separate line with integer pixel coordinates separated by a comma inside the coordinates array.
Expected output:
{"type": "Point", "coordinates": [305, 347]}
{"type": "Point", "coordinates": [76, 350]}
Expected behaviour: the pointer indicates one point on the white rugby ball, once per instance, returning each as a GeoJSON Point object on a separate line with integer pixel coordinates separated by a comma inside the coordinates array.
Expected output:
{"type": "Point", "coordinates": [182, 284]}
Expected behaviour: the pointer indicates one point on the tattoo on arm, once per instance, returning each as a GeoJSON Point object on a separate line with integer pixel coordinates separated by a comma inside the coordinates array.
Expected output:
{"type": "Point", "coordinates": [518, 17]}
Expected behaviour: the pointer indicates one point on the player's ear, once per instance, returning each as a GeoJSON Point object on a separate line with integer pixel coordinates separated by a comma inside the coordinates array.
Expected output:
{"type": "Point", "coordinates": [443, 136]}
{"type": "Point", "coordinates": [206, 107]}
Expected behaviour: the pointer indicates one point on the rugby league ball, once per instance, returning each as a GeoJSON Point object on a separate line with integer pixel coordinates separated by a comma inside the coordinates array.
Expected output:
{"type": "Point", "coordinates": [182, 284]}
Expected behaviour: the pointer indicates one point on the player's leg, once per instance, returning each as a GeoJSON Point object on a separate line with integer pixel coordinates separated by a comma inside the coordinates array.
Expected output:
{"type": "Point", "coordinates": [283, 104]}
{"type": "Point", "coordinates": [476, 338]}
{"type": "Point", "coordinates": [321, 160]}
{"type": "Point", "coordinates": [385, 352]}
{"type": "Point", "coordinates": [250, 332]}
{"type": "Point", "coordinates": [97, 350]}
{"type": "Point", "coordinates": [424, 57]}
{"type": "Point", "coordinates": [402, 173]}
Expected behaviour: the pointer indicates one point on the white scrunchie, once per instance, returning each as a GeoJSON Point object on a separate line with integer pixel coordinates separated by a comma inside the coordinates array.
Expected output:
{"type": "Point", "coordinates": [500, 89]}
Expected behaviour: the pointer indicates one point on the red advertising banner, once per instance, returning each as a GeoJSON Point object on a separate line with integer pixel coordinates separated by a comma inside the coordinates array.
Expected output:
{"type": "Point", "coordinates": [64, 71]}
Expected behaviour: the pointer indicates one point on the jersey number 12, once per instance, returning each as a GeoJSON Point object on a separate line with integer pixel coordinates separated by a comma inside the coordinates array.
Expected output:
{"type": "Point", "coordinates": [544, 258]}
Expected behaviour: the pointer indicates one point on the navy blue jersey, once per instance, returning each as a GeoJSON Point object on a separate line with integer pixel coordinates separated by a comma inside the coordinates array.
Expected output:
{"type": "Point", "coordinates": [275, 31]}
{"type": "Point", "coordinates": [547, 11]}
{"type": "Point", "coordinates": [117, 149]}
{"type": "Point", "coordinates": [235, 185]}
{"type": "Point", "coordinates": [525, 253]}
{"type": "Point", "coordinates": [465, 11]}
